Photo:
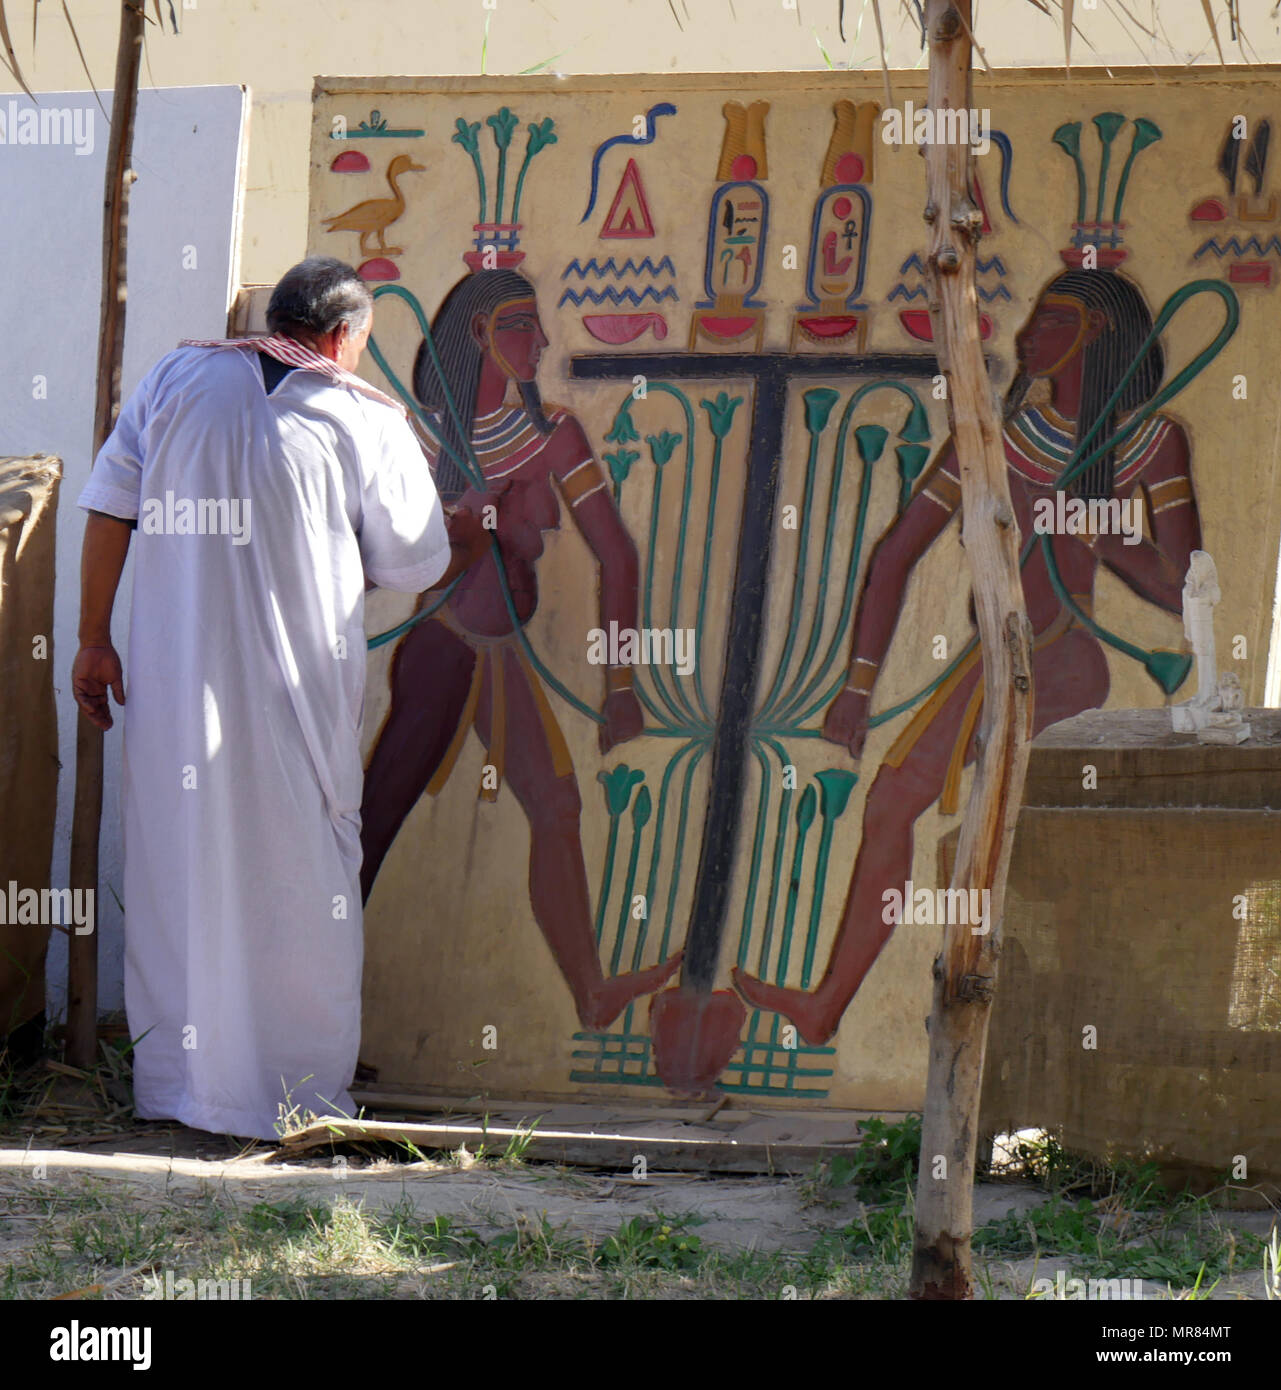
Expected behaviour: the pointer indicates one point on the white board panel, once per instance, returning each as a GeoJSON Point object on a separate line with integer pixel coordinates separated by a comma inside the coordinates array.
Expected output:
{"type": "Point", "coordinates": [183, 248]}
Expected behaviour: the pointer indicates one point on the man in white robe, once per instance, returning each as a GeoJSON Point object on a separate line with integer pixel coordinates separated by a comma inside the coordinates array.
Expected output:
{"type": "Point", "coordinates": [267, 485]}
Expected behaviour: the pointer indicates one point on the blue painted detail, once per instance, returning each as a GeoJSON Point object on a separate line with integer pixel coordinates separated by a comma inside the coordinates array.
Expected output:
{"type": "Point", "coordinates": [611, 267]}
{"type": "Point", "coordinates": [901, 291]}
{"type": "Point", "coordinates": [1233, 246]}
{"type": "Point", "coordinates": [718, 198]}
{"type": "Point", "coordinates": [914, 262]}
{"type": "Point", "coordinates": [611, 295]}
{"type": "Point", "coordinates": [855, 190]}
{"type": "Point", "coordinates": [1002, 142]}
{"type": "Point", "coordinates": [662, 108]}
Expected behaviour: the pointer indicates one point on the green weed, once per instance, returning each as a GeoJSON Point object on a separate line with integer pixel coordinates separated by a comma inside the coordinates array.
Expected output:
{"type": "Point", "coordinates": [653, 1242]}
{"type": "Point", "coordinates": [886, 1156]}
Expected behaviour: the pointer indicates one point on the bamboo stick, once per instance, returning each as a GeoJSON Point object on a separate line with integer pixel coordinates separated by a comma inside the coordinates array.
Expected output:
{"type": "Point", "coordinates": [82, 951]}
{"type": "Point", "coordinates": [965, 970]}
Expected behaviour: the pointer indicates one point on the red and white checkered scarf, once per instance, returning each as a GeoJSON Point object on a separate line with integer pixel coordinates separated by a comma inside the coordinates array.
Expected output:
{"type": "Point", "coordinates": [295, 354]}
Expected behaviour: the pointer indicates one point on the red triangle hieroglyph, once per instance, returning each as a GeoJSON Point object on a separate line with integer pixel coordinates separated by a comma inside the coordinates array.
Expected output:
{"type": "Point", "coordinates": [628, 214]}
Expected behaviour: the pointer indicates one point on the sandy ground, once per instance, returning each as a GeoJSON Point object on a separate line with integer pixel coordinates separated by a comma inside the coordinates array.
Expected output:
{"type": "Point", "coordinates": [737, 1213]}
{"type": "Point", "coordinates": [742, 1213]}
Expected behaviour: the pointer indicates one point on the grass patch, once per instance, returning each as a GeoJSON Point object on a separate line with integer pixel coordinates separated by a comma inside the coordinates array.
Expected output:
{"type": "Point", "coordinates": [879, 1166]}
{"type": "Point", "coordinates": [1182, 1244]}
{"type": "Point", "coordinates": [114, 1239]}
{"type": "Point", "coordinates": [78, 1239]}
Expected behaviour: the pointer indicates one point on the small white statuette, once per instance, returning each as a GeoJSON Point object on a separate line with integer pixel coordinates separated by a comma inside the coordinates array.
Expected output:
{"type": "Point", "coordinates": [1225, 723]}
{"type": "Point", "coordinates": [1214, 712]}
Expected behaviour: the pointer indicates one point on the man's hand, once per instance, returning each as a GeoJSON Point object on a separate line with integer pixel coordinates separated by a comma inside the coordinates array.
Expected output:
{"type": "Point", "coordinates": [95, 671]}
{"type": "Point", "coordinates": [846, 722]}
{"type": "Point", "coordinates": [623, 719]}
{"type": "Point", "coordinates": [467, 532]}
{"type": "Point", "coordinates": [97, 667]}
{"type": "Point", "coordinates": [469, 541]}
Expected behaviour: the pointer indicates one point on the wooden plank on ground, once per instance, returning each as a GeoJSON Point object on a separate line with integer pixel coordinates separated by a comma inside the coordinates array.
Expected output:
{"type": "Point", "coordinates": [576, 1148]}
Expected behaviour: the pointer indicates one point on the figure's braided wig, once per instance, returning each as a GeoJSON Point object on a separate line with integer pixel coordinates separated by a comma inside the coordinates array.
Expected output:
{"type": "Point", "coordinates": [460, 359]}
{"type": "Point", "coordinates": [1106, 360]}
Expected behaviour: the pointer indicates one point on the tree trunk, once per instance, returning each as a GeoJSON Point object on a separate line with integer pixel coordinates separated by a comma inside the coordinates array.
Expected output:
{"type": "Point", "coordinates": [965, 970]}
{"type": "Point", "coordinates": [82, 951]}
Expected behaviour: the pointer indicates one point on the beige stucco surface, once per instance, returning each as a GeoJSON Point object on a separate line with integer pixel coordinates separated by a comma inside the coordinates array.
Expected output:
{"type": "Point", "coordinates": [452, 946]}
{"type": "Point", "coordinates": [277, 48]}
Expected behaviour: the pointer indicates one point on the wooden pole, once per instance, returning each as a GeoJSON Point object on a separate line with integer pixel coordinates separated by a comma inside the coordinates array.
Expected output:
{"type": "Point", "coordinates": [82, 953]}
{"type": "Point", "coordinates": [965, 970]}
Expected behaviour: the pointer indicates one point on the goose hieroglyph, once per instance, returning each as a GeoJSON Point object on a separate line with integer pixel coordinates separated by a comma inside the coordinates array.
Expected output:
{"type": "Point", "coordinates": [375, 215]}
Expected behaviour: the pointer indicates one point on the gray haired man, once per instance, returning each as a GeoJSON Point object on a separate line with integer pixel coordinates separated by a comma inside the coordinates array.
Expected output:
{"type": "Point", "coordinates": [268, 486]}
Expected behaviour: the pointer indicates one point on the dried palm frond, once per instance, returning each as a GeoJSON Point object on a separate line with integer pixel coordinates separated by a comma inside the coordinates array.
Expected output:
{"type": "Point", "coordinates": [1067, 10]}
{"type": "Point", "coordinates": [1209, 19]}
{"type": "Point", "coordinates": [10, 57]}
{"type": "Point", "coordinates": [84, 62]}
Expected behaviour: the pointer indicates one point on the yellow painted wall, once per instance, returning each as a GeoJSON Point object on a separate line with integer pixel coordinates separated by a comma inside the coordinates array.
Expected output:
{"type": "Point", "coordinates": [277, 48]}
{"type": "Point", "coordinates": [451, 944]}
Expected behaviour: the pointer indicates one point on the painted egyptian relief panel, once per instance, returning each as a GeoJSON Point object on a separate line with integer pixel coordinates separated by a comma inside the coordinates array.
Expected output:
{"type": "Point", "coordinates": [654, 793]}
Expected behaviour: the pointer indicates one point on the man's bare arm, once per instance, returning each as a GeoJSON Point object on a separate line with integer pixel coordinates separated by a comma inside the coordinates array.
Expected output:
{"type": "Point", "coordinates": [468, 542]}
{"type": "Point", "coordinates": [97, 665]}
{"type": "Point", "coordinates": [102, 560]}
